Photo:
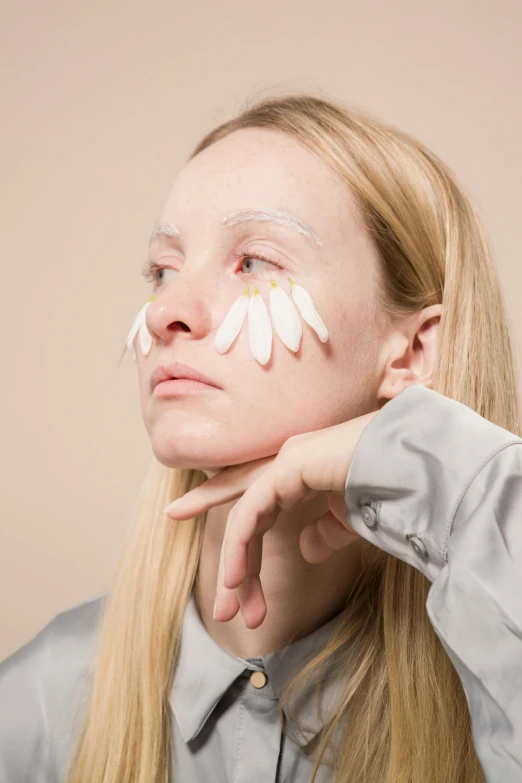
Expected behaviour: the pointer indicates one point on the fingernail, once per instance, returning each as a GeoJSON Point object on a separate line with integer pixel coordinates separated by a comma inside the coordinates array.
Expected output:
{"type": "Point", "coordinates": [172, 507]}
{"type": "Point", "coordinates": [174, 504]}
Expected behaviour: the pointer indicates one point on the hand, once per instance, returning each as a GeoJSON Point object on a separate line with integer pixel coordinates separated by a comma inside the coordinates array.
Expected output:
{"type": "Point", "coordinates": [307, 464]}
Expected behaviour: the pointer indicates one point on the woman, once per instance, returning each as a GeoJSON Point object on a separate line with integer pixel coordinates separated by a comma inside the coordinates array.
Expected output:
{"type": "Point", "coordinates": [332, 284]}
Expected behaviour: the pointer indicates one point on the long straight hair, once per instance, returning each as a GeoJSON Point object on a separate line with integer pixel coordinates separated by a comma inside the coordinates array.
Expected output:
{"type": "Point", "coordinates": [409, 716]}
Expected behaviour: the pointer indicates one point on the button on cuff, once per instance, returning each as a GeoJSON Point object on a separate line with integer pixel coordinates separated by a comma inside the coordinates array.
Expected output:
{"type": "Point", "coordinates": [369, 512]}
{"type": "Point", "coordinates": [417, 544]}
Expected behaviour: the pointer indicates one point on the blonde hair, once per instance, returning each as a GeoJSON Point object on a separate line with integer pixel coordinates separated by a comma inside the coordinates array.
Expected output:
{"type": "Point", "coordinates": [411, 722]}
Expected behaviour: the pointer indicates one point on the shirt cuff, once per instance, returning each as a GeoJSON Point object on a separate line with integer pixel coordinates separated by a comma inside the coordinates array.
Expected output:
{"type": "Point", "coordinates": [410, 470]}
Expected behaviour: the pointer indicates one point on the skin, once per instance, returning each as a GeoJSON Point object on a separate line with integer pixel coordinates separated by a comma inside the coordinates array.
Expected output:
{"type": "Point", "coordinates": [257, 408]}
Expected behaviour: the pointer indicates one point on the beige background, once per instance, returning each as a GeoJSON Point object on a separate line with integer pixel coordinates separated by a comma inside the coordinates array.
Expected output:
{"type": "Point", "coordinates": [101, 103]}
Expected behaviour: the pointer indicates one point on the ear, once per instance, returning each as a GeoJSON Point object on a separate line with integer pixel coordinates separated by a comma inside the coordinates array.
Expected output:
{"type": "Point", "coordinates": [409, 353]}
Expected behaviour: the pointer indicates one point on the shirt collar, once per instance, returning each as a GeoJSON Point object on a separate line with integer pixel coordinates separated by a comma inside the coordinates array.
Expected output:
{"type": "Point", "coordinates": [205, 671]}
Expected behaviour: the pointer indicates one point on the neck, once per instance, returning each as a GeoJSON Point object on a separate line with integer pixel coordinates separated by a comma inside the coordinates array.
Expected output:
{"type": "Point", "coordinates": [300, 596]}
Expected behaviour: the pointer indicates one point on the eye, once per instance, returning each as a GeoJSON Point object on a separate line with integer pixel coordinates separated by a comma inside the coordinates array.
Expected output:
{"type": "Point", "coordinates": [257, 257]}
{"type": "Point", "coordinates": [153, 272]}
{"type": "Point", "coordinates": [158, 273]}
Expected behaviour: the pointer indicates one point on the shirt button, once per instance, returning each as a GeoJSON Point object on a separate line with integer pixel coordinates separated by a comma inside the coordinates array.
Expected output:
{"type": "Point", "coordinates": [258, 679]}
{"type": "Point", "coordinates": [369, 516]}
{"type": "Point", "coordinates": [417, 544]}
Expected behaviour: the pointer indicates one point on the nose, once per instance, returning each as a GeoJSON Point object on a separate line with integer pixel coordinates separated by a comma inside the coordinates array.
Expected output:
{"type": "Point", "coordinates": [182, 305]}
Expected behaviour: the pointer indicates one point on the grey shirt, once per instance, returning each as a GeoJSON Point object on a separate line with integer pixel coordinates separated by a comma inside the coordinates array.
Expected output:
{"type": "Point", "coordinates": [431, 482]}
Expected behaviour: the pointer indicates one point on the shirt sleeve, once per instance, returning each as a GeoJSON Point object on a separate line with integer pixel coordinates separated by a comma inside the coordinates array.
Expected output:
{"type": "Point", "coordinates": [24, 742]}
{"type": "Point", "coordinates": [440, 487]}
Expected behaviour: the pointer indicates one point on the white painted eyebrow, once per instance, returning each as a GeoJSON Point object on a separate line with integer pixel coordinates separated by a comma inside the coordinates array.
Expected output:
{"type": "Point", "coordinates": [274, 215]}
{"type": "Point", "coordinates": [164, 228]}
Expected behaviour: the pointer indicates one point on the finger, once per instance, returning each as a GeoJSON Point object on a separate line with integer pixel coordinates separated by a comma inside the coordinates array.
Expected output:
{"type": "Point", "coordinates": [225, 486]}
{"type": "Point", "coordinates": [313, 546]}
{"type": "Point", "coordinates": [311, 493]}
{"type": "Point", "coordinates": [250, 591]}
{"type": "Point", "coordinates": [243, 527]}
{"type": "Point", "coordinates": [334, 533]}
{"type": "Point", "coordinates": [256, 512]}
{"type": "Point", "coordinates": [227, 601]}
{"type": "Point", "coordinates": [337, 506]}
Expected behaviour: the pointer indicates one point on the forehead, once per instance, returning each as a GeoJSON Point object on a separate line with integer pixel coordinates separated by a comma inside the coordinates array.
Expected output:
{"type": "Point", "coordinates": [261, 168]}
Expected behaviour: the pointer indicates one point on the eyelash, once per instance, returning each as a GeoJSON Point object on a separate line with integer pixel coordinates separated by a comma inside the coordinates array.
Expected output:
{"type": "Point", "coordinates": [259, 256]}
{"type": "Point", "coordinates": [150, 267]}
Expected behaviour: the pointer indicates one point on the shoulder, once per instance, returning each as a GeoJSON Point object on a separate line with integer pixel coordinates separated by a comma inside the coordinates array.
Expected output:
{"type": "Point", "coordinates": [44, 689]}
{"type": "Point", "coordinates": [69, 635]}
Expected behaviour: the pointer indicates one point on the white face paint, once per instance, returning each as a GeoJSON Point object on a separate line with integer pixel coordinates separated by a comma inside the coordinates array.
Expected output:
{"type": "Point", "coordinates": [283, 310]}
{"type": "Point", "coordinates": [321, 384]}
{"type": "Point", "coordinates": [285, 318]}
{"type": "Point", "coordinates": [272, 215]}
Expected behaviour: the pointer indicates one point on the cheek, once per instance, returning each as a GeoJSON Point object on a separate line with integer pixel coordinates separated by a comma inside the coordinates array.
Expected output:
{"type": "Point", "coordinates": [326, 383]}
{"type": "Point", "coordinates": [146, 400]}
{"type": "Point", "coordinates": [288, 395]}
{"type": "Point", "coordinates": [143, 379]}
{"type": "Point", "coordinates": [322, 385]}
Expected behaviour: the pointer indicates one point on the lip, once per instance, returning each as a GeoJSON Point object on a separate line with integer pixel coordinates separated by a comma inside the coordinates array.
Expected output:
{"type": "Point", "coordinates": [178, 370]}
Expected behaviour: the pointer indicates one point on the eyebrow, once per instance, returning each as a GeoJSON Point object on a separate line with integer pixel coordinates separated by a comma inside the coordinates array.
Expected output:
{"type": "Point", "coordinates": [271, 215]}
{"type": "Point", "coordinates": [163, 228]}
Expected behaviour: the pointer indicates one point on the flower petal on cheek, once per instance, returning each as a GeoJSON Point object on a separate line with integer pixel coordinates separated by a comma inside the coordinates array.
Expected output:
{"type": "Point", "coordinates": [259, 328]}
{"type": "Point", "coordinates": [232, 323]}
{"type": "Point", "coordinates": [129, 343]}
{"type": "Point", "coordinates": [285, 317]}
{"type": "Point", "coordinates": [305, 304]}
{"type": "Point", "coordinates": [137, 326]}
{"type": "Point", "coordinates": [145, 340]}
{"type": "Point", "coordinates": [145, 337]}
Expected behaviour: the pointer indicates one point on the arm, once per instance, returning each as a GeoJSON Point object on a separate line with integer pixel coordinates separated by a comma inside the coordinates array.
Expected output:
{"type": "Point", "coordinates": [438, 486]}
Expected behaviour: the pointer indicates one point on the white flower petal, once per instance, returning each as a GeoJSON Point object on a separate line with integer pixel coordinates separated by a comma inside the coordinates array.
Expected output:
{"type": "Point", "coordinates": [259, 328]}
{"type": "Point", "coordinates": [285, 317]}
{"type": "Point", "coordinates": [232, 323]}
{"type": "Point", "coordinates": [129, 343]}
{"type": "Point", "coordinates": [305, 304]}
{"type": "Point", "coordinates": [145, 339]}
{"type": "Point", "coordinates": [135, 328]}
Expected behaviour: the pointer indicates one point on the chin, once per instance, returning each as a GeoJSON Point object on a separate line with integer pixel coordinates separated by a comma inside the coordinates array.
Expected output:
{"type": "Point", "coordinates": [174, 458]}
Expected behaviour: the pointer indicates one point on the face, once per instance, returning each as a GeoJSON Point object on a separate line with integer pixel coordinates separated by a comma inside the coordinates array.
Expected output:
{"type": "Point", "coordinates": [200, 273]}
